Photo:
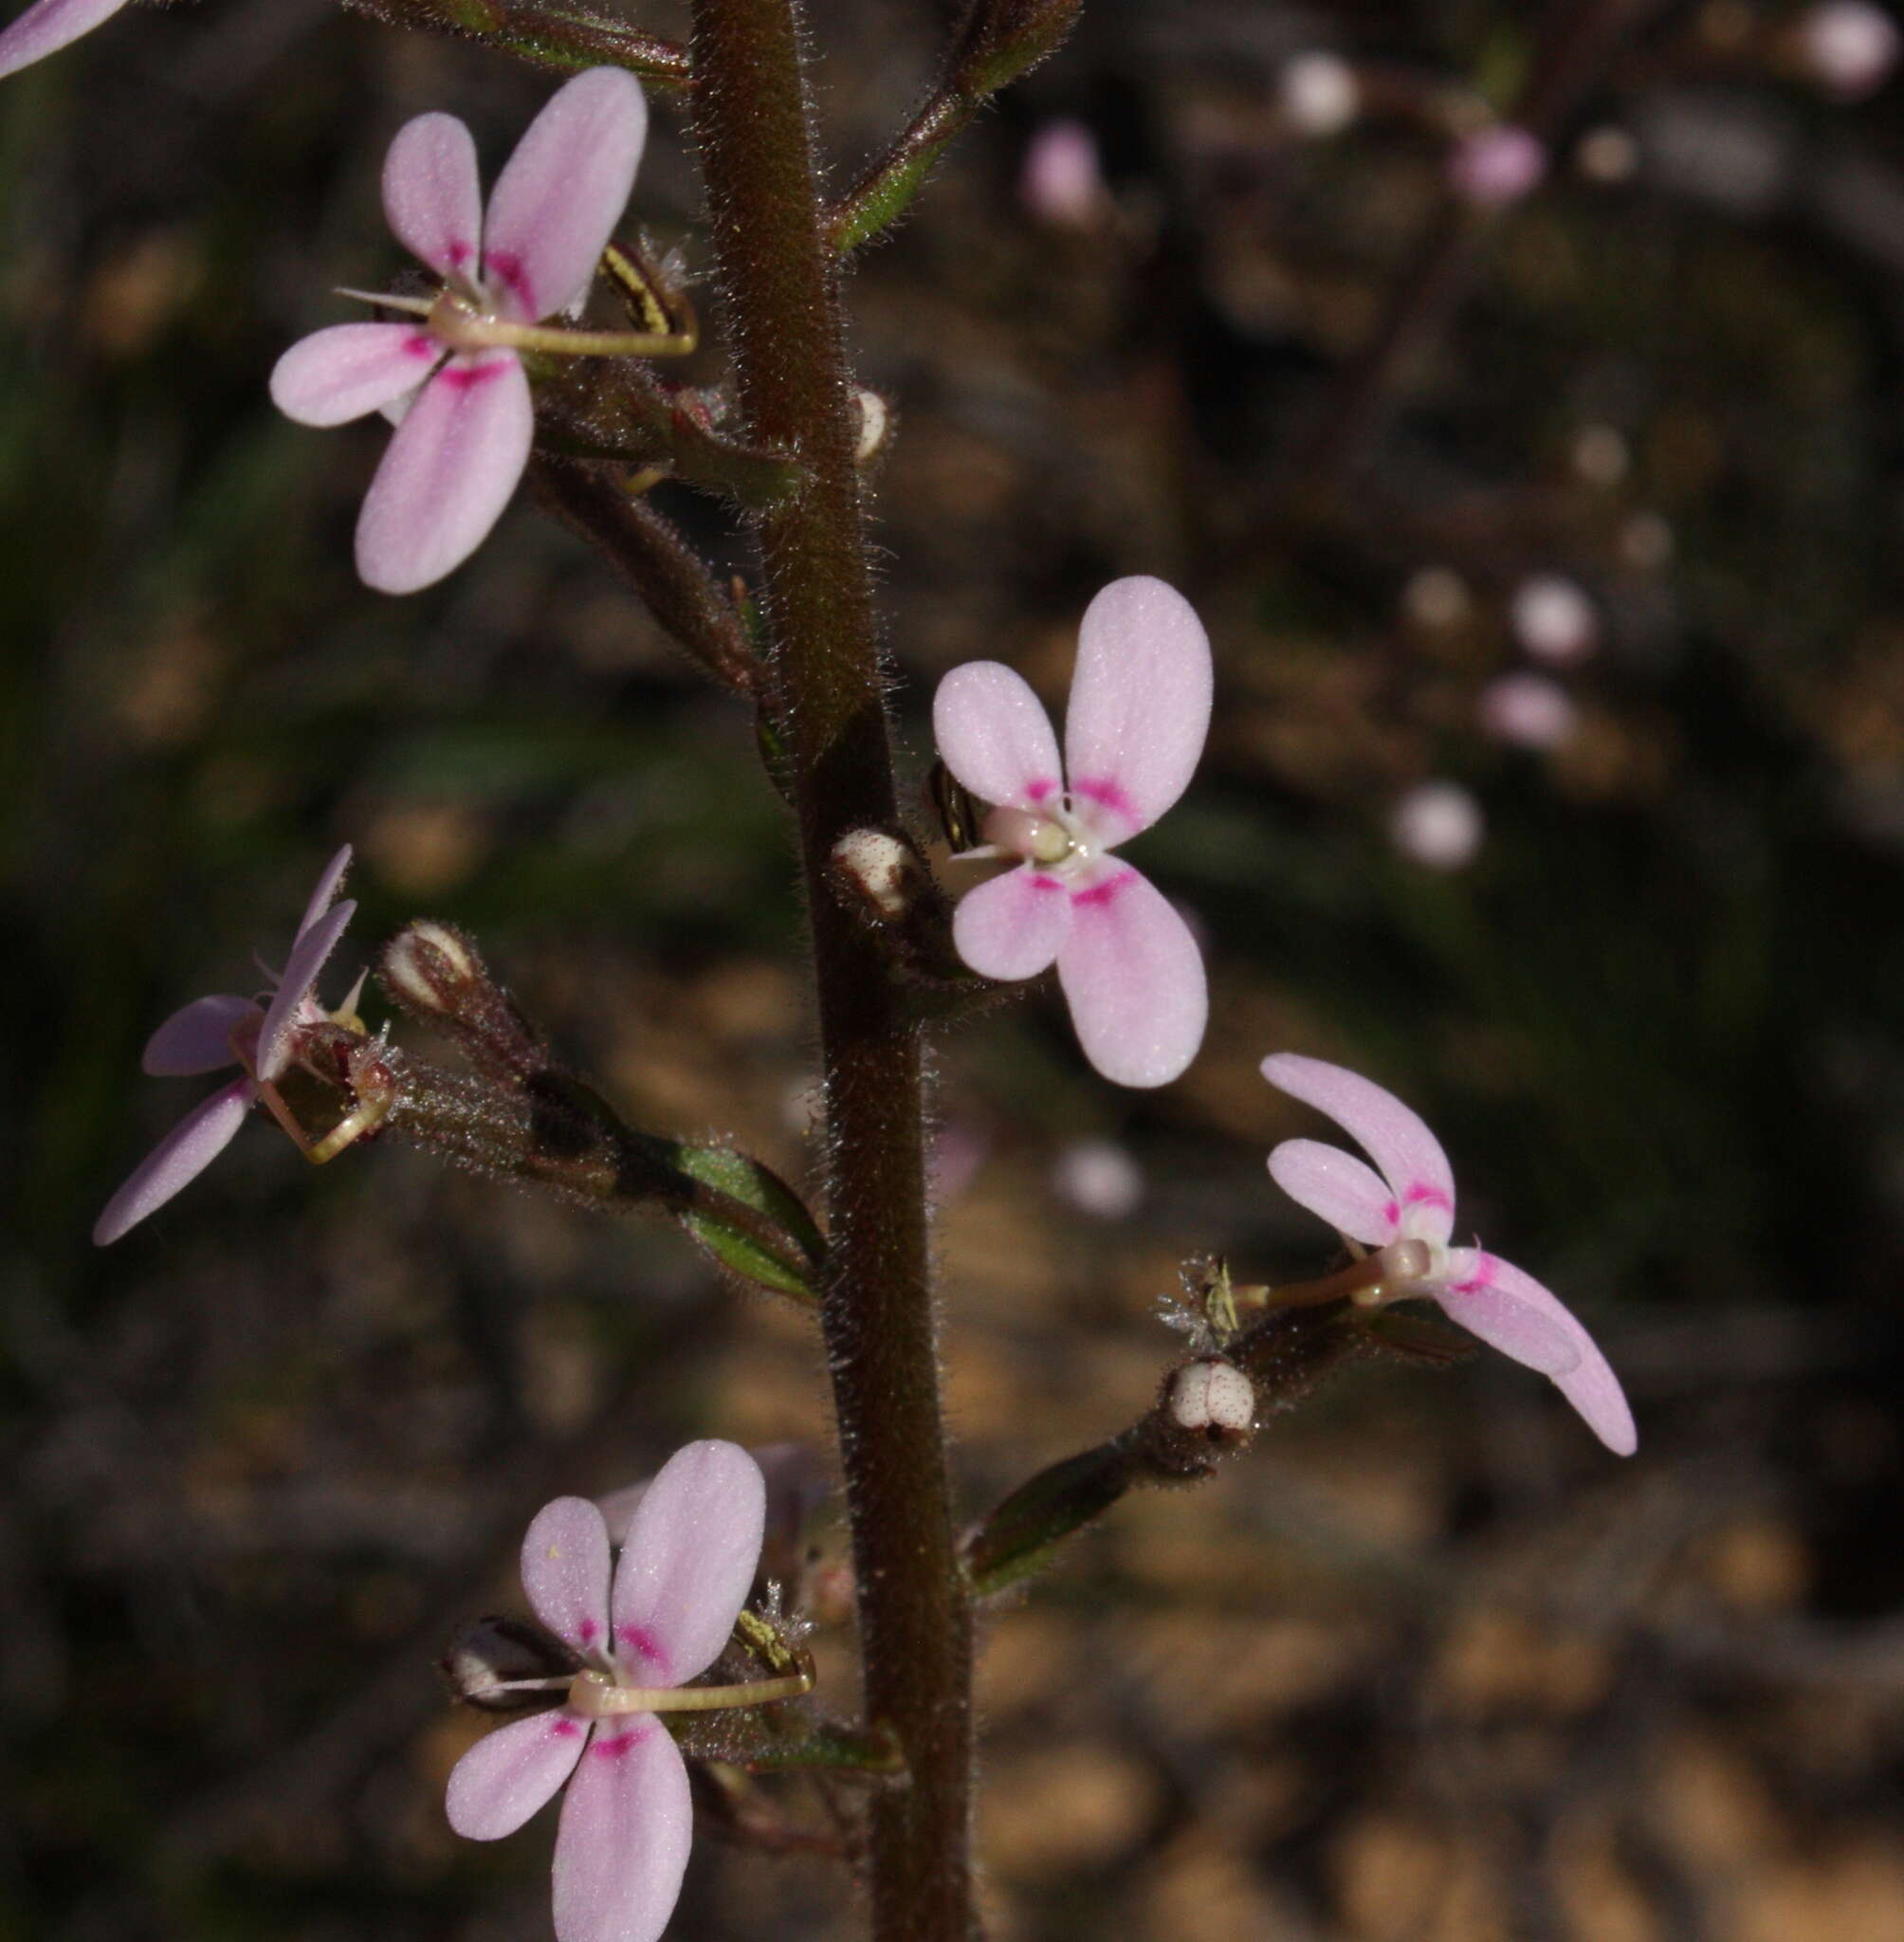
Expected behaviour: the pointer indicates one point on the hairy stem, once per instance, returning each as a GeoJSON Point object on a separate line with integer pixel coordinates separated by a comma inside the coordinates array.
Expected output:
{"type": "Point", "coordinates": [752, 118]}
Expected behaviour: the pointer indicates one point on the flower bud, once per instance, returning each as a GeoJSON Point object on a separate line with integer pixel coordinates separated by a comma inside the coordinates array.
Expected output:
{"type": "Point", "coordinates": [879, 872]}
{"type": "Point", "coordinates": [875, 426]}
{"type": "Point", "coordinates": [1214, 1398]}
{"type": "Point", "coordinates": [436, 974]}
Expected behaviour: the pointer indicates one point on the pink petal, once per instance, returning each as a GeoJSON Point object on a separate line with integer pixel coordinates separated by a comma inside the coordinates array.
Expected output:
{"type": "Point", "coordinates": [1408, 1155]}
{"type": "Point", "coordinates": [300, 972]}
{"type": "Point", "coordinates": [688, 1562]}
{"type": "Point", "coordinates": [1013, 926]}
{"type": "Point", "coordinates": [449, 470]}
{"type": "Point", "coordinates": [1526, 1323]}
{"type": "Point", "coordinates": [1589, 1385]}
{"type": "Point", "coordinates": [1350, 1196]}
{"type": "Point", "coordinates": [506, 1776]}
{"type": "Point", "coordinates": [47, 27]}
{"type": "Point", "coordinates": [179, 1159]}
{"type": "Point", "coordinates": [627, 1822]}
{"type": "Point", "coordinates": [197, 1038]}
{"type": "Point", "coordinates": [560, 194]}
{"type": "Point", "coordinates": [431, 197]}
{"type": "Point", "coordinates": [995, 736]}
{"type": "Point", "coordinates": [337, 374]}
{"type": "Point", "coordinates": [1140, 704]}
{"type": "Point", "coordinates": [1133, 977]}
{"type": "Point", "coordinates": [326, 892]}
{"type": "Point", "coordinates": [565, 1571]}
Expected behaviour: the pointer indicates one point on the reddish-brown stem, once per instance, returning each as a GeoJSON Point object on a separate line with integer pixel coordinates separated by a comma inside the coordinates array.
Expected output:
{"type": "Point", "coordinates": [752, 119]}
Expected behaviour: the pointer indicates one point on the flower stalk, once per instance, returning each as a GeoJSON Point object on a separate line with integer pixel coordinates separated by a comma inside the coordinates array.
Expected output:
{"type": "Point", "coordinates": [753, 119]}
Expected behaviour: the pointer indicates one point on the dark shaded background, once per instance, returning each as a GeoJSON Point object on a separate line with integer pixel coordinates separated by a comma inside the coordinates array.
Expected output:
{"type": "Point", "coordinates": [1430, 1664]}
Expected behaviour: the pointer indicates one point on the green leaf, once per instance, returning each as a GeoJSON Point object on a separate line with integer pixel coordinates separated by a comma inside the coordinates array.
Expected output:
{"type": "Point", "coordinates": [791, 1267]}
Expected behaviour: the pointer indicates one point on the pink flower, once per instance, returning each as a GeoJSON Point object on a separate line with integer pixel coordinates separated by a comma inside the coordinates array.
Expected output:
{"type": "Point", "coordinates": [1407, 1210]}
{"type": "Point", "coordinates": [1850, 46]}
{"type": "Point", "coordinates": [49, 26]}
{"type": "Point", "coordinates": [1497, 166]}
{"type": "Point", "coordinates": [686, 1565]}
{"type": "Point", "coordinates": [467, 421]}
{"type": "Point", "coordinates": [1139, 709]}
{"type": "Point", "coordinates": [225, 1030]}
{"type": "Point", "coordinates": [1528, 710]}
{"type": "Point", "coordinates": [1062, 180]}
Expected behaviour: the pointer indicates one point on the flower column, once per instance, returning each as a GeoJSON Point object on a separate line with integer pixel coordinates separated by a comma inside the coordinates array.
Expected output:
{"type": "Point", "coordinates": [780, 288]}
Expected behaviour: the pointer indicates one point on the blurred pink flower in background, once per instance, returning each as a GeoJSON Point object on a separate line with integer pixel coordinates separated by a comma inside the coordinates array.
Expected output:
{"type": "Point", "coordinates": [1438, 824]}
{"type": "Point", "coordinates": [467, 421]}
{"type": "Point", "coordinates": [685, 1567]}
{"type": "Point", "coordinates": [49, 26]}
{"type": "Point", "coordinates": [1849, 47]}
{"type": "Point", "coordinates": [1100, 1178]}
{"type": "Point", "coordinates": [1138, 712]}
{"type": "Point", "coordinates": [1497, 166]}
{"type": "Point", "coordinates": [1407, 1210]}
{"type": "Point", "coordinates": [1553, 619]}
{"type": "Point", "coordinates": [1318, 93]}
{"type": "Point", "coordinates": [226, 1030]}
{"type": "Point", "coordinates": [1061, 182]}
{"type": "Point", "coordinates": [1528, 710]}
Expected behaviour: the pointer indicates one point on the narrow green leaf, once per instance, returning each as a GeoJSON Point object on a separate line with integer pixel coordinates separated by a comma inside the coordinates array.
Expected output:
{"type": "Point", "coordinates": [789, 1268]}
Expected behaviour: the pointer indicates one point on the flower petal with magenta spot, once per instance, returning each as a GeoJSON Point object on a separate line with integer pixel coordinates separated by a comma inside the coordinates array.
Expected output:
{"type": "Point", "coordinates": [1589, 1384]}
{"type": "Point", "coordinates": [511, 1772]}
{"type": "Point", "coordinates": [431, 197]}
{"type": "Point", "coordinates": [688, 1562]}
{"type": "Point", "coordinates": [1140, 706]}
{"type": "Point", "coordinates": [565, 1571]}
{"type": "Point", "coordinates": [1407, 1154]}
{"type": "Point", "coordinates": [1133, 977]}
{"type": "Point", "coordinates": [451, 466]}
{"type": "Point", "coordinates": [351, 369]}
{"type": "Point", "coordinates": [627, 1820]}
{"type": "Point", "coordinates": [995, 736]}
{"type": "Point", "coordinates": [1524, 1323]}
{"type": "Point", "coordinates": [1345, 1191]}
{"type": "Point", "coordinates": [560, 194]}
{"type": "Point", "coordinates": [1013, 925]}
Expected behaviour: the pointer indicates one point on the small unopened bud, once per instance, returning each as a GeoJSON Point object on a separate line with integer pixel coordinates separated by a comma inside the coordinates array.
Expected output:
{"type": "Point", "coordinates": [437, 974]}
{"type": "Point", "coordinates": [875, 426]}
{"type": "Point", "coordinates": [1212, 1398]}
{"type": "Point", "coordinates": [880, 872]}
{"type": "Point", "coordinates": [502, 1665]}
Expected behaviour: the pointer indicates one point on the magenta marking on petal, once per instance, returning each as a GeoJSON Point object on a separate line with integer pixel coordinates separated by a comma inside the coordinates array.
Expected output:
{"type": "Point", "coordinates": [1422, 1195]}
{"type": "Point", "coordinates": [565, 1729]}
{"type": "Point", "coordinates": [642, 1643]}
{"type": "Point", "coordinates": [458, 253]}
{"type": "Point", "coordinates": [506, 265]}
{"type": "Point", "coordinates": [419, 343]}
{"type": "Point", "coordinates": [1392, 1214]}
{"type": "Point", "coordinates": [461, 377]}
{"type": "Point", "coordinates": [1039, 881]}
{"type": "Point", "coordinates": [620, 1747]}
{"type": "Point", "coordinates": [1038, 790]}
{"type": "Point", "coordinates": [588, 1631]}
{"type": "Point", "coordinates": [1106, 893]}
{"type": "Point", "coordinates": [1102, 789]}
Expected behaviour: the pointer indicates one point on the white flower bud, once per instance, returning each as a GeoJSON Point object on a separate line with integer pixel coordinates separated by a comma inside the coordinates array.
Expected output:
{"type": "Point", "coordinates": [881, 868]}
{"type": "Point", "coordinates": [1214, 1397]}
{"type": "Point", "coordinates": [415, 976]}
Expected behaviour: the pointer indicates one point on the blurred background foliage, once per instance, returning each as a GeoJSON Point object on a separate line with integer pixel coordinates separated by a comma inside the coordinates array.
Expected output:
{"type": "Point", "coordinates": [1429, 1664]}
